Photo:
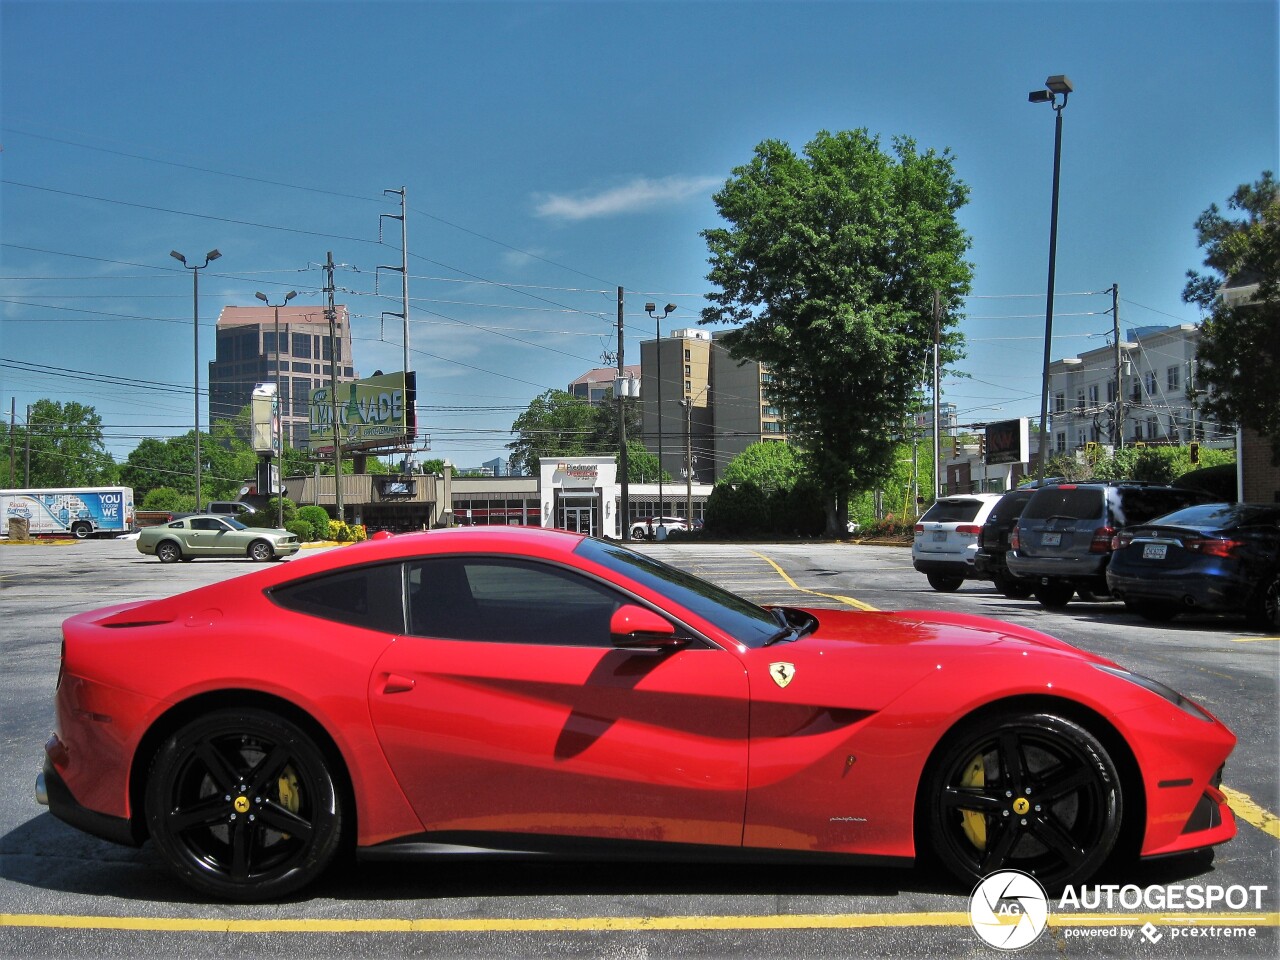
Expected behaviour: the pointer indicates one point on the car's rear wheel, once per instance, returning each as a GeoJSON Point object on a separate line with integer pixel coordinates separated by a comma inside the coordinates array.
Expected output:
{"type": "Point", "coordinates": [82, 531]}
{"type": "Point", "coordinates": [1032, 792]}
{"type": "Point", "coordinates": [1153, 611]}
{"type": "Point", "coordinates": [1265, 610]}
{"type": "Point", "coordinates": [168, 551]}
{"type": "Point", "coordinates": [1054, 596]}
{"type": "Point", "coordinates": [943, 583]}
{"type": "Point", "coordinates": [261, 551]}
{"type": "Point", "coordinates": [1012, 587]}
{"type": "Point", "coordinates": [242, 805]}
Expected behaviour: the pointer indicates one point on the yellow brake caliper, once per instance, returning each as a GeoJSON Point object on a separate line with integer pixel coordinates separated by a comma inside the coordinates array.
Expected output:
{"type": "Point", "coordinates": [290, 794]}
{"type": "Point", "coordinates": [973, 822]}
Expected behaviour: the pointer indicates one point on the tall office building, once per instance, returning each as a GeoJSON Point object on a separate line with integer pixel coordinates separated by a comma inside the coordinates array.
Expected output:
{"type": "Point", "coordinates": [712, 407]}
{"type": "Point", "coordinates": [247, 354]}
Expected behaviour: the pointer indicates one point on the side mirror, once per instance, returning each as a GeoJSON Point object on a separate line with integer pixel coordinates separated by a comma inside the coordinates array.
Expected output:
{"type": "Point", "coordinates": [634, 627]}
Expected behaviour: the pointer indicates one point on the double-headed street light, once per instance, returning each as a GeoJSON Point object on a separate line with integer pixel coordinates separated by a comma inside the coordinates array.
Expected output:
{"type": "Point", "coordinates": [1055, 85]}
{"type": "Point", "coordinates": [650, 309]}
{"type": "Point", "coordinates": [195, 317]}
{"type": "Point", "coordinates": [279, 406]}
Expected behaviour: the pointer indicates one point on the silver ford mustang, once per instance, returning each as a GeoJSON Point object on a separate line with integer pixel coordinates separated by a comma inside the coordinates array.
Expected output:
{"type": "Point", "coordinates": [205, 535]}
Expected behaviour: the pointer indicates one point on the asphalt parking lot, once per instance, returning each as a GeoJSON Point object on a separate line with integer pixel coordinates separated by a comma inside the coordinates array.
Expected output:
{"type": "Point", "coordinates": [65, 894]}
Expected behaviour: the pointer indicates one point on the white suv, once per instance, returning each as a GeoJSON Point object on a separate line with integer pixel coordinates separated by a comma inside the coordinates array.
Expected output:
{"type": "Point", "coordinates": [946, 538]}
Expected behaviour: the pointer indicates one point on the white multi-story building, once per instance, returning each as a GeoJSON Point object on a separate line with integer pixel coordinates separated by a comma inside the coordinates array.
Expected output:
{"type": "Point", "coordinates": [1143, 392]}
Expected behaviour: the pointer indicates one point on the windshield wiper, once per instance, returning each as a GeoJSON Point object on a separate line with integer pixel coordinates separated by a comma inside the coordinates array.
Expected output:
{"type": "Point", "coordinates": [787, 630]}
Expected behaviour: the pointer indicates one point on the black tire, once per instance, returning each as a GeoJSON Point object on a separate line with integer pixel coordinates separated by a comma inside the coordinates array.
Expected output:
{"type": "Point", "coordinates": [1264, 612]}
{"type": "Point", "coordinates": [82, 531]}
{"type": "Point", "coordinates": [1153, 611]}
{"type": "Point", "coordinates": [261, 551]}
{"type": "Point", "coordinates": [1032, 792]}
{"type": "Point", "coordinates": [1013, 587]}
{"type": "Point", "coordinates": [168, 551]}
{"type": "Point", "coordinates": [637, 534]}
{"type": "Point", "coordinates": [943, 583]}
{"type": "Point", "coordinates": [1054, 596]}
{"type": "Point", "coordinates": [242, 805]}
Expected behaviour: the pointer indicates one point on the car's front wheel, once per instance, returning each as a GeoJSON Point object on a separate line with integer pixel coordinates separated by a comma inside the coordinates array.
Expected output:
{"type": "Point", "coordinates": [1033, 792]}
{"type": "Point", "coordinates": [168, 551]}
{"type": "Point", "coordinates": [260, 551]}
{"type": "Point", "coordinates": [943, 583]}
{"type": "Point", "coordinates": [242, 805]}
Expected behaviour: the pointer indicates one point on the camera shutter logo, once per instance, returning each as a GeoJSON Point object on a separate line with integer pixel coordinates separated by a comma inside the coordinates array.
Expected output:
{"type": "Point", "coordinates": [1009, 910]}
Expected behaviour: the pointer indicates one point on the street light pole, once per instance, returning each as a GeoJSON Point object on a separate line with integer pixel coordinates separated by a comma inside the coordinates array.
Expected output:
{"type": "Point", "coordinates": [195, 323]}
{"type": "Point", "coordinates": [1057, 84]}
{"type": "Point", "coordinates": [279, 408]}
{"type": "Point", "coordinates": [651, 309]}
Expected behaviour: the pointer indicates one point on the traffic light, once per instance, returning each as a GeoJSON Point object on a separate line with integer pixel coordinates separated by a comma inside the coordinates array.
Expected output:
{"type": "Point", "coordinates": [1195, 453]}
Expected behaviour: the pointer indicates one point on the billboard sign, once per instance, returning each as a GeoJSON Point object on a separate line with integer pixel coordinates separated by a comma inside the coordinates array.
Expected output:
{"type": "Point", "coordinates": [374, 413]}
{"type": "Point", "coordinates": [265, 410]}
{"type": "Point", "coordinates": [1008, 442]}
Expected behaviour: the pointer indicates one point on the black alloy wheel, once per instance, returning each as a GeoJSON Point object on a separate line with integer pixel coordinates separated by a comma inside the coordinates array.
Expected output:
{"type": "Point", "coordinates": [242, 805]}
{"type": "Point", "coordinates": [168, 551]}
{"type": "Point", "coordinates": [1265, 611]}
{"type": "Point", "coordinates": [1031, 792]}
{"type": "Point", "coordinates": [260, 551]}
{"type": "Point", "coordinates": [1054, 596]}
{"type": "Point", "coordinates": [943, 583]}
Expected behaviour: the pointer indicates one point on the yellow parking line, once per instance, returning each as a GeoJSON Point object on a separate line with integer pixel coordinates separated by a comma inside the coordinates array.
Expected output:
{"type": "Point", "coordinates": [1244, 807]}
{"type": "Point", "coordinates": [856, 604]}
{"type": "Point", "coordinates": [811, 921]}
{"type": "Point", "coordinates": [1253, 639]}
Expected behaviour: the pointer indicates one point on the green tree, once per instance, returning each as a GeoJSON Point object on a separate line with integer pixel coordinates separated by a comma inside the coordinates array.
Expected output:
{"type": "Point", "coordinates": [1239, 351]}
{"type": "Point", "coordinates": [642, 466]}
{"type": "Point", "coordinates": [769, 464]}
{"type": "Point", "coordinates": [558, 424]}
{"type": "Point", "coordinates": [830, 264]}
{"type": "Point", "coordinates": [67, 448]}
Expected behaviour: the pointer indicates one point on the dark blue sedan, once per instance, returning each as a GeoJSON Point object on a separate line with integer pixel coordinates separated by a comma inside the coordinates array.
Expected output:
{"type": "Point", "coordinates": [1214, 557]}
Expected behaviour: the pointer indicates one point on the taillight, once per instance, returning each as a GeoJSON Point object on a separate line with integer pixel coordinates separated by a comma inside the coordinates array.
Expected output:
{"type": "Point", "coordinates": [1212, 547]}
{"type": "Point", "coordinates": [1121, 540]}
{"type": "Point", "coordinates": [919, 528]}
{"type": "Point", "coordinates": [982, 537]}
{"type": "Point", "coordinates": [1015, 541]}
{"type": "Point", "coordinates": [1101, 542]}
{"type": "Point", "coordinates": [969, 529]}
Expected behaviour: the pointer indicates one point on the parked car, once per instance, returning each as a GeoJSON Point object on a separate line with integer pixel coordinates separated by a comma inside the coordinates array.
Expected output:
{"type": "Point", "coordinates": [946, 538]}
{"type": "Point", "coordinates": [647, 529]}
{"type": "Point", "coordinates": [1062, 541]}
{"type": "Point", "coordinates": [205, 535]}
{"type": "Point", "coordinates": [234, 508]}
{"type": "Point", "coordinates": [390, 691]}
{"type": "Point", "coordinates": [1219, 557]}
{"type": "Point", "coordinates": [993, 543]}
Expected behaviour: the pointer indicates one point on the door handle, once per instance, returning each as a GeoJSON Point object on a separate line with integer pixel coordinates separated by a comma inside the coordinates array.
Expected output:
{"type": "Point", "coordinates": [394, 683]}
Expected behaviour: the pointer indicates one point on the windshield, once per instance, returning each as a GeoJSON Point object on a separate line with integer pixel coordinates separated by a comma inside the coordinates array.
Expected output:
{"type": "Point", "coordinates": [233, 523]}
{"type": "Point", "coordinates": [741, 619]}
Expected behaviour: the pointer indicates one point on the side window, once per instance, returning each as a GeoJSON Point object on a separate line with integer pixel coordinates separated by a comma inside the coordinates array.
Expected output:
{"type": "Point", "coordinates": [369, 597]}
{"type": "Point", "coordinates": [505, 600]}
{"type": "Point", "coordinates": [206, 523]}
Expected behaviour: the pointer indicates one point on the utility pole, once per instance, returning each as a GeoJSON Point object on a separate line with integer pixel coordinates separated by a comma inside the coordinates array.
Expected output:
{"type": "Point", "coordinates": [624, 508]}
{"type": "Point", "coordinates": [332, 313]}
{"type": "Point", "coordinates": [13, 417]}
{"type": "Point", "coordinates": [26, 468]}
{"type": "Point", "coordinates": [937, 440]}
{"type": "Point", "coordinates": [1118, 430]}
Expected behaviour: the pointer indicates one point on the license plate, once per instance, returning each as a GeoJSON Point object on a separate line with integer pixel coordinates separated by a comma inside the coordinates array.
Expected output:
{"type": "Point", "coordinates": [940, 536]}
{"type": "Point", "coordinates": [1154, 551]}
{"type": "Point", "coordinates": [1050, 539]}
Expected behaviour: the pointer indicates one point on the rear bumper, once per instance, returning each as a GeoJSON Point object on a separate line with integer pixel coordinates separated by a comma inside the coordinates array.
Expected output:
{"type": "Point", "coordinates": [1197, 592]}
{"type": "Point", "coordinates": [52, 791]}
{"type": "Point", "coordinates": [946, 568]}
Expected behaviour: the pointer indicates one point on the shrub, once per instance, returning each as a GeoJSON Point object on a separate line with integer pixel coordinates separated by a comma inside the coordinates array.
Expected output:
{"type": "Point", "coordinates": [302, 530]}
{"type": "Point", "coordinates": [318, 518]}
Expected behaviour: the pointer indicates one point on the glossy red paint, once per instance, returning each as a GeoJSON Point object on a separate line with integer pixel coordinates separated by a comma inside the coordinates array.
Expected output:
{"type": "Point", "coordinates": [820, 744]}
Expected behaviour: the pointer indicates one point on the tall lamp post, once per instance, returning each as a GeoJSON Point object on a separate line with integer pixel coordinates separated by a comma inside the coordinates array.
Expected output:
{"type": "Point", "coordinates": [650, 309]}
{"type": "Point", "coordinates": [195, 322]}
{"type": "Point", "coordinates": [1055, 85]}
{"type": "Point", "coordinates": [279, 406]}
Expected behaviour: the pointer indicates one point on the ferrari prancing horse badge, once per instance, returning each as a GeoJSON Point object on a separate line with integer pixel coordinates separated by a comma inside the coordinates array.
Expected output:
{"type": "Point", "coordinates": [782, 672]}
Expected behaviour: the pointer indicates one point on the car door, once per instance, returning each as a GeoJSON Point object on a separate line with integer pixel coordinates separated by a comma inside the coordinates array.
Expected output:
{"type": "Point", "coordinates": [506, 709]}
{"type": "Point", "coordinates": [206, 537]}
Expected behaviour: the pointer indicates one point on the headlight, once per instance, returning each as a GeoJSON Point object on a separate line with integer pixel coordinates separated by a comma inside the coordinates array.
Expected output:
{"type": "Point", "coordinates": [1160, 690]}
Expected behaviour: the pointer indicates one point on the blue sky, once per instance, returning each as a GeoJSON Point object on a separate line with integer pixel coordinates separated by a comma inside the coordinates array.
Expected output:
{"type": "Point", "coordinates": [554, 151]}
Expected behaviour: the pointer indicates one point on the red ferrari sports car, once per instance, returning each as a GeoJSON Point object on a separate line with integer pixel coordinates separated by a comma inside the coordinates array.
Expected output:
{"type": "Point", "coordinates": [535, 690]}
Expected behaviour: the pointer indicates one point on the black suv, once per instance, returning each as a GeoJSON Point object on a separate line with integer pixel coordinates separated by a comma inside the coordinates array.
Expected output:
{"type": "Point", "coordinates": [993, 542]}
{"type": "Point", "coordinates": [1062, 541]}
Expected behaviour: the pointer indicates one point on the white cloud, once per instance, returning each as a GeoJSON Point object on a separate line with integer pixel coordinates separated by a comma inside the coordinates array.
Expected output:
{"type": "Point", "coordinates": [633, 197]}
